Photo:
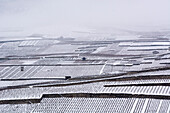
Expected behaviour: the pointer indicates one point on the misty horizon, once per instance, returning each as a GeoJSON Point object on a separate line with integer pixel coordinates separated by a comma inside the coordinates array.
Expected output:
{"type": "Point", "coordinates": [50, 16]}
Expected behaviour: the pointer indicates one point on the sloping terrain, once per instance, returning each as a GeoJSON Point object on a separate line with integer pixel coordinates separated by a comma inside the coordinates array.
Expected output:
{"type": "Point", "coordinates": [86, 74]}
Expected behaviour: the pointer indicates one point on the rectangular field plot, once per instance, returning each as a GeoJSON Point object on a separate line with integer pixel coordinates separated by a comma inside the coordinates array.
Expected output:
{"type": "Point", "coordinates": [73, 71]}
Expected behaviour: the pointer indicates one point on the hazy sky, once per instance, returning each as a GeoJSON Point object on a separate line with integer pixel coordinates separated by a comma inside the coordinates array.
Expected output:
{"type": "Point", "coordinates": [30, 14]}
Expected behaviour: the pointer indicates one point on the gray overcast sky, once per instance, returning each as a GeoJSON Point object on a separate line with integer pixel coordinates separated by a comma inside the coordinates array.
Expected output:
{"type": "Point", "coordinates": [28, 14]}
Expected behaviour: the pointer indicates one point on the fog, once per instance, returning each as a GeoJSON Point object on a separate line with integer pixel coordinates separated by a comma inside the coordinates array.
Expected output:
{"type": "Point", "coordinates": [52, 16]}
